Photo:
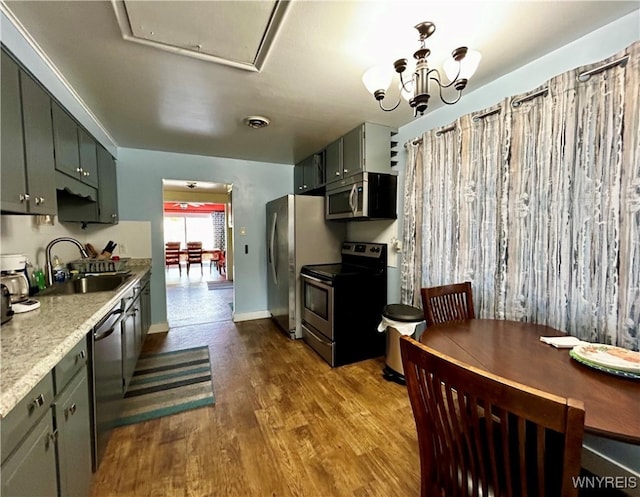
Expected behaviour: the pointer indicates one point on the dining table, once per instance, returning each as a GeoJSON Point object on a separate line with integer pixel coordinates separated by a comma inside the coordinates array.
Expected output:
{"type": "Point", "coordinates": [513, 350]}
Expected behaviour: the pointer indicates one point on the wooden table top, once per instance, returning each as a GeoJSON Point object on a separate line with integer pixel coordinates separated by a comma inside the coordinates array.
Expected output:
{"type": "Point", "coordinates": [513, 350]}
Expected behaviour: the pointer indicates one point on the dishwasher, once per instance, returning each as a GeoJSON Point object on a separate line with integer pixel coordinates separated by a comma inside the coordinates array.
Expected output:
{"type": "Point", "coordinates": [107, 393]}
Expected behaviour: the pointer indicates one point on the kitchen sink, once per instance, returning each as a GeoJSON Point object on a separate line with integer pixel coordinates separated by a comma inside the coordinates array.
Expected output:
{"type": "Point", "coordinates": [87, 284]}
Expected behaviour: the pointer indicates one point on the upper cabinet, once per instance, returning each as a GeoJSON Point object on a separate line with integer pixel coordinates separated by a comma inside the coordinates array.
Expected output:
{"type": "Point", "coordinates": [308, 174]}
{"type": "Point", "coordinates": [27, 173]}
{"type": "Point", "coordinates": [108, 193]}
{"type": "Point", "coordinates": [333, 160]}
{"type": "Point", "coordinates": [368, 148]}
{"type": "Point", "coordinates": [50, 163]}
{"type": "Point", "coordinates": [75, 148]}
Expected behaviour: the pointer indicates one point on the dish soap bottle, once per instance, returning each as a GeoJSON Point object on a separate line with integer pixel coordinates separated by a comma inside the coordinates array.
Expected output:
{"type": "Point", "coordinates": [59, 273]}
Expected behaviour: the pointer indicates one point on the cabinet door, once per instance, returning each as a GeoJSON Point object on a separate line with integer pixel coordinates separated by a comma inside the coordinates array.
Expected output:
{"type": "Point", "coordinates": [65, 139]}
{"type": "Point", "coordinates": [31, 469]}
{"type": "Point", "coordinates": [13, 184]}
{"type": "Point", "coordinates": [88, 158]}
{"type": "Point", "coordinates": [108, 189]}
{"type": "Point", "coordinates": [38, 151]}
{"type": "Point", "coordinates": [145, 310]}
{"type": "Point", "coordinates": [298, 178]}
{"type": "Point", "coordinates": [333, 161]}
{"type": "Point", "coordinates": [72, 415]}
{"type": "Point", "coordinates": [352, 145]}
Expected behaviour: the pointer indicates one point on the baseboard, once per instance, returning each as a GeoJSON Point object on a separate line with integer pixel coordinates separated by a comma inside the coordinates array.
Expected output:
{"type": "Point", "coordinates": [159, 328]}
{"type": "Point", "coordinates": [249, 316]}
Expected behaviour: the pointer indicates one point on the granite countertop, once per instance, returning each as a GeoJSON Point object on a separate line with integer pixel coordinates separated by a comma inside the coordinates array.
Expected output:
{"type": "Point", "coordinates": [33, 342]}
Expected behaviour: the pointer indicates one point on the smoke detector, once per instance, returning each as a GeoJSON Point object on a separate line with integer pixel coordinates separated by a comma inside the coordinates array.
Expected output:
{"type": "Point", "coordinates": [257, 122]}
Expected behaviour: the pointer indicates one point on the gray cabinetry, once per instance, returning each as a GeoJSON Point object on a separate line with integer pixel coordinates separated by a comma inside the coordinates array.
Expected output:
{"type": "Point", "coordinates": [333, 160]}
{"type": "Point", "coordinates": [27, 173]}
{"type": "Point", "coordinates": [31, 469]}
{"type": "Point", "coordinates": [145, 307]}
{"type": "Point", "coordinates": [65, 137]}
{"type": "Point", "coordinates": [46, 438]}
{"type": "Point", "coordinates": [131, 336]}
{"type": "Point", "coordinates": [13, 182]}
{"type": "Point", "coordinates": [38, 147]}
{"type": "Point", "coordinates": [309, 174]}
{"type": "Point", "coordinates": [367, 148]}
{"type": "Point", "coordinates": [88, 158]}
{"type": "Point", "coordinates": [72, 416]}
{"type": "Point", "coordinates": [108, 192]}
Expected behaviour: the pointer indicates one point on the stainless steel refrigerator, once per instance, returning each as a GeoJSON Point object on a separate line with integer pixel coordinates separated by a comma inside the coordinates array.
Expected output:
{"type": "Point", "coordinates": [297, 234]}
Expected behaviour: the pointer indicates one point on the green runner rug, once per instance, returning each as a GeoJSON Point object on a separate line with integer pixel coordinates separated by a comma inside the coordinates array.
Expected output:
{"type": "Point", "coordinates": [168, 383]}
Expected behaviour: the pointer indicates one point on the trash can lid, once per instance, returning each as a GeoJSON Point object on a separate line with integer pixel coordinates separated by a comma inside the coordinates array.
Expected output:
{"type": "Point", "coordinates": [402, 312]}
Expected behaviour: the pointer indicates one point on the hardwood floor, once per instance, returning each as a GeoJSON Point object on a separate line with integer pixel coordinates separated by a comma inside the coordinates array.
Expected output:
{"type": "Point", "coordinates": [284, 424]}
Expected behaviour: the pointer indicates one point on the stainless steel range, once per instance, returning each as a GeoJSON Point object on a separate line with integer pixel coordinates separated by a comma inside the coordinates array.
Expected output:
{"type": "Point", "coordinates": [342, 304]}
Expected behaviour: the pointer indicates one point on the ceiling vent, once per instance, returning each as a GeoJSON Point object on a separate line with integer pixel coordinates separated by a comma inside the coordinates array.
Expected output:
{"type": "Point", "coordinates": [257, 122]}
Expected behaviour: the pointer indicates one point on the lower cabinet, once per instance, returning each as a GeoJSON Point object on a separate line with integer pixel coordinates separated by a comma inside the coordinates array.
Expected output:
{"type": "Point", "coordinates": [131, 341]}
{"type": "Point", "coordinates": [31, 469]}
{"type": "Point", "coordinates": [46, 438]}
{"type": "Point", "coordinates": [72, 416]}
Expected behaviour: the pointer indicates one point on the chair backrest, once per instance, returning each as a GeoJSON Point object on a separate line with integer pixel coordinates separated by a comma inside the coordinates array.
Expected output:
{"type": "Point", "coordinates": [480, 434]}
{"type": "Point", "coordinates": [194, 252]}
{"type": "Point", "coordinates": [446, 303]}
{"type": "Point", "coordinates": [172, 252]}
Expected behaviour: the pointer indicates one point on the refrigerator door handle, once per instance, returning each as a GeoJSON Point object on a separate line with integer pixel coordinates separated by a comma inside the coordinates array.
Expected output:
{"type": "Point", "coordinates": [272, 238]}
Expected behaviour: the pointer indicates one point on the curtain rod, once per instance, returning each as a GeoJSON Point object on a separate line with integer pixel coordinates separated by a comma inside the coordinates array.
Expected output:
{"type": "Point", "coordinates": [540, 93]}
{"type": "Point", "coordinates": [477, 117]}
{"type": "Point", "coordinates": [442, 131]}
{"type": "Point", "coordinates": [584, 76]}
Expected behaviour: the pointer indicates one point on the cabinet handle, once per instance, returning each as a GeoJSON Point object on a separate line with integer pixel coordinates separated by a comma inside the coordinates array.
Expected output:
{"type": "Point", "coordinates": [337, 173]}
{"type": "Point", "coordinates": [113, 216]}
{"type": "Point", "coordinates": [85, 173]}
{"type": "Point", "coordinates": [299, 188]}
{"type": "Point", "coordinates": [70, 411]}
{"type": "Point", "coordinates": [39, 200]}
{"type": "Point", "coordinates": [81, 356]}
{"type": "Point", "coordinates": [345, 171]}
{"type": "Point", "coordinates": [24, 197]}
{"type": "Point", "coordinates": [37, 402]}
{"type": "Point", "coordinates": [79, 170]}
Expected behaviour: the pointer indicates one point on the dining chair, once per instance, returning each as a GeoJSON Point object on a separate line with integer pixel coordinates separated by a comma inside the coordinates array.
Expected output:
{"type": "Point", "coordinates": [481, 434]}
{"type": "Point", "coordinates": [442, 304]}
{"type": "Point", "coordinates": [194, 255]}
{"type": "Point", "coordinates": [215, 257]}
{"type": "Point", "coordinates": [222, 262]}
{"type": "Point", "coordinates": [172, 255]}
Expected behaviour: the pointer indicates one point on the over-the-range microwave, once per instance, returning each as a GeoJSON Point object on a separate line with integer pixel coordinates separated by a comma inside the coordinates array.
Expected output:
{"type": "Point", "coordinates": [361, 197]}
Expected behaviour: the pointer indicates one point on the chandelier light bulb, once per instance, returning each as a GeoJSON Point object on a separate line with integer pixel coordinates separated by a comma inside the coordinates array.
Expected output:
{"type": "Point", "coordinates": [467, 66]}
{"type": "Point", "coordinates": [377, 78]}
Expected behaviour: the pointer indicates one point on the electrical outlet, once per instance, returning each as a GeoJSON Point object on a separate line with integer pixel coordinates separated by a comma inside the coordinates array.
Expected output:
{"type": "Point", "coordinates": [243, 231]}
{"type": "Point", "coordinates": [123, 249]}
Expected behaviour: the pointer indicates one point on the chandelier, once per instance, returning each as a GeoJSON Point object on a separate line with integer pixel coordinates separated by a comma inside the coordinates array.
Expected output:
{"type": "Point", "coordinates": [458, 69]}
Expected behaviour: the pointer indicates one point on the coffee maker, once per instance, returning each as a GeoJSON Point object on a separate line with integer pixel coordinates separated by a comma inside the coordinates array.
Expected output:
{"type": "Point", "coordinates": [13, 276]}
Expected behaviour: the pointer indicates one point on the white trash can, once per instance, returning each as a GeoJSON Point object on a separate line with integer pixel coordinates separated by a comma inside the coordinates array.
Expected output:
{"type": "Point", "coordinates": [399, 319]}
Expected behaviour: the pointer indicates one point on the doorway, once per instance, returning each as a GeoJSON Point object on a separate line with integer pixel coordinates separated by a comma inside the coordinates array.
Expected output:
{"type": "Point", "coordinates": [199, 285]}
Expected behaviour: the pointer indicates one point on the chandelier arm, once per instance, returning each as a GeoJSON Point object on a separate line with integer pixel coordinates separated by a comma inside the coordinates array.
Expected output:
{"type": "Point", "coordinates": [445, 100]}
{"type": "Point", "coordinates": [437, 79]}
{"type": "Point", "coordinates": [391, 108]}
{"type": "Point", "coordinates": [403, 84]}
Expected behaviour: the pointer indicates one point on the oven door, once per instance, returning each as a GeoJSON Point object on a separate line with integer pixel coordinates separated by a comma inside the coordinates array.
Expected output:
{"type": "Point", "coordinates": [317, 305]}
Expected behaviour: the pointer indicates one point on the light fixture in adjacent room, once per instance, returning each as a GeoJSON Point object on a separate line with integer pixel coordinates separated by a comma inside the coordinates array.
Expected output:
{"type": "Point", "coordinates": [459, 68]}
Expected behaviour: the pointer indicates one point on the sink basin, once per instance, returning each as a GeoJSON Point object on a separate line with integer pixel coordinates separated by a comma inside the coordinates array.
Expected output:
{"type": "Point", "coordinates": [87, 284]}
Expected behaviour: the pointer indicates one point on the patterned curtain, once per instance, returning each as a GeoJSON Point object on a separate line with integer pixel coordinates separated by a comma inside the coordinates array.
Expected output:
{"type": "Point", "coordinates": [219, 229]}
{"type": "Point", "coordinates": [536, 201]}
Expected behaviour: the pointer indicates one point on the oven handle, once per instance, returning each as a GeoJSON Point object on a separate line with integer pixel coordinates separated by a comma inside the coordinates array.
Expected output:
{"type": "Point", "coordinates": [320, 282]}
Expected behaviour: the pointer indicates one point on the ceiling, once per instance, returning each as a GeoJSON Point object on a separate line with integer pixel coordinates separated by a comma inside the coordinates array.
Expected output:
{"type": "Point", "coordinates": [181, 76]}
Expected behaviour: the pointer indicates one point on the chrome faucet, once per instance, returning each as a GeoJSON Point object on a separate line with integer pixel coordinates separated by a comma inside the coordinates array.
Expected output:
{"type": "Point", "coordinates": [47, 261]}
